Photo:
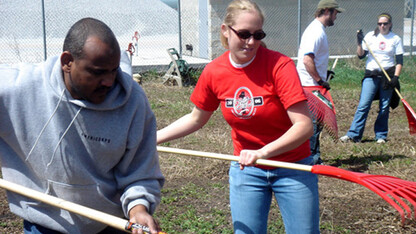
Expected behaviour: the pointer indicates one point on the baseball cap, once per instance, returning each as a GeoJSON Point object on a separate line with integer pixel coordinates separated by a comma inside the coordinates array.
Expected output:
{"type": "Point", "coordinates": [324, 4]}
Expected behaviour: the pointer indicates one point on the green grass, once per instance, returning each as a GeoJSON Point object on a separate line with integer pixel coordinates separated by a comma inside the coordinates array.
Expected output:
{"type": "Point", "coordinates": [190, 219]}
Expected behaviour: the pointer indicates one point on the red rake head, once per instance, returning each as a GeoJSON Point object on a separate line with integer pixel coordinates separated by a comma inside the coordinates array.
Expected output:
{"type": "Point", "coordinates": [390, 188]}
{"type": "Point", "coordinates": [322, 108]}
{"type": "Point", "coordinates": [411, 117]}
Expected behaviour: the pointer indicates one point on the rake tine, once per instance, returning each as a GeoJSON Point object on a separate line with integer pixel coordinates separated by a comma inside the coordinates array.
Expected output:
{"type": "Point", "coordinates": [320, 111]}
{"type": "Point", "coordinates": [383, 195]}
{"type": "Point", "coordinates": [388, 185]}
{"type": "Point", "coordinates": [398, 184]}
{"type": "Point", "coordinates": [407, 195]}
{"type": "Point", "coordinates": [395, 194]}
{"type": "Point", "coordinates": [412, 193]}
{"type": "Point", "coordinates": [372, 182]}
{"type": "Point", "coordinates": [406, 192]}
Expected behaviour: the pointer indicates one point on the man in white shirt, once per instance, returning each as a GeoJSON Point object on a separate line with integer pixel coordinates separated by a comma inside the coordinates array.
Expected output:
{"type": "Point", "coordinates": [313, 57]}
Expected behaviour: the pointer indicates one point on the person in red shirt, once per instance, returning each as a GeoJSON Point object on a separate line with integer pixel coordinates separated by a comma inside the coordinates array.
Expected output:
{"type": "Point", "coordinates": [262, 99]}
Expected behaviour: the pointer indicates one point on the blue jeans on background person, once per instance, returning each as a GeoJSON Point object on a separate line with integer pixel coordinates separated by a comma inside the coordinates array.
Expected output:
{"type": "Point", "coordinates": [315, 143]}
{"type": "Point", "coordinates": [370, 86]}
{"type": "Point", "coordinates": [296, 192]}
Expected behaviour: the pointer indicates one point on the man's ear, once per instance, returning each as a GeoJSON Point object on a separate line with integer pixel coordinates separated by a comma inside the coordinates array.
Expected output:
{"type": "Point", "coordinates": [66, 61]}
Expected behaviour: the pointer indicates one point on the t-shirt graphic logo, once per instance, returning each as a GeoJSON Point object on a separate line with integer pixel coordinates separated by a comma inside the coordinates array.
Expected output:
{"type": "Point", "coordinates": [243, 104]}
{"type": "Point", "coordinates": [382, 45]}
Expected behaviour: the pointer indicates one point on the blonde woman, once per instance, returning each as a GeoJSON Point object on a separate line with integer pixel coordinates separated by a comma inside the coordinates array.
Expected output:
{"type": "Point", "coordinates": [262, 99]}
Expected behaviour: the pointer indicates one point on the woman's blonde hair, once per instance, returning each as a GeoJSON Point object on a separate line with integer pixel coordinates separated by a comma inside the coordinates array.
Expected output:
{"type": "Point", "coordinates": [235, 8]}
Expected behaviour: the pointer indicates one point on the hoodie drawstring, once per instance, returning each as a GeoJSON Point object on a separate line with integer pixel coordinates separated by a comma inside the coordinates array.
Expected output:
{"type": "Point", "coordinates": [47, 123]}
{"type": "Point", "coordinates": [44, 127]}
{"type": "Point", "coordinates": [63, 135]}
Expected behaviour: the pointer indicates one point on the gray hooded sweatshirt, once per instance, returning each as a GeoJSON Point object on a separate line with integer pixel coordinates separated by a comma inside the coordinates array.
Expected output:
{"type": "Point", "coordinates": [101, 156]}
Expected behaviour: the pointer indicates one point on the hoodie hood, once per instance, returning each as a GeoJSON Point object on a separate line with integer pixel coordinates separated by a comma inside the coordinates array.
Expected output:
{"type": "Point", "coordinates": [116, 97]}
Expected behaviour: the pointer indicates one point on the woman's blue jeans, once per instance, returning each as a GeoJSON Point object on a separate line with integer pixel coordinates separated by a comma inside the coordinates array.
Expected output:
{"type": "Point", "coordinates": [370, 87]}
{"type": "Point", "coordinates": [296, 192]}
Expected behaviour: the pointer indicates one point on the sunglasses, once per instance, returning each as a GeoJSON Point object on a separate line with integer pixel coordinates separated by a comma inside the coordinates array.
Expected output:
{"type": "Point", "coordinates": [245, 34]}
{"type": "Point", "coordinates": [385, 24]}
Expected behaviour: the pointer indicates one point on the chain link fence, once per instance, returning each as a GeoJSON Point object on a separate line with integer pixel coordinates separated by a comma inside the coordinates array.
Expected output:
{"type": "Point", "coordinates": [31, 30]}
{"type": "Point", "coordinates": [23, 25]}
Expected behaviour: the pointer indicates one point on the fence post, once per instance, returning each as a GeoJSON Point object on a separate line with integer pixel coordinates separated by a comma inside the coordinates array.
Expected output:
{"type": "Point", "coordinates": [180, 27]}
{"type": "Point", "coordinates": [45, 54]}
{"type": "Point", "coordinates": [411, 29]}
{"type": "Point", "coordinates": [299, 21]}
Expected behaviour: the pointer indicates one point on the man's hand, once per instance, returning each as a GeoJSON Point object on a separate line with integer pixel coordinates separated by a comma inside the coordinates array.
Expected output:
{"type": "Point", "coordinates": [324, 84]}
{"type": "Point", "coordinates": [330, 75]}
{"type": "Point", "coordinates": [360, 36]}
{"type": "Point", "coordinates": [139, 214]}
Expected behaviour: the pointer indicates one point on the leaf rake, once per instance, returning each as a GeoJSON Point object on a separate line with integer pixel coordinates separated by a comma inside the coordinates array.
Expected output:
{"type": "Point", "coordinates": [392, 189]}
{"type": "Point", "coordinates": [322, 108]}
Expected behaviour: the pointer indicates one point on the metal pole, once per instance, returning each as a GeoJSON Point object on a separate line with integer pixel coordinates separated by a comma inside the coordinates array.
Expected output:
{"type": "Point", "coordinates": [411, 29]}
{"type": "Point", "coordinates": [180, 27]}
{"type": "Point", "coordinates": [44, 31]}
{"type": "Point", "coordinates": [299, 19]}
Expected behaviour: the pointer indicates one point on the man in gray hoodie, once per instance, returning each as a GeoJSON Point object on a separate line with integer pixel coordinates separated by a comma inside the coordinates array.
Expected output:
{"type": "Point", "coordinates": [79, 128]}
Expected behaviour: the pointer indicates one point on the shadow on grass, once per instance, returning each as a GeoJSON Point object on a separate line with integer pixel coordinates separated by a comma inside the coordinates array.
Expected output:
{"type": "Point", "coordinates": [360, 164]}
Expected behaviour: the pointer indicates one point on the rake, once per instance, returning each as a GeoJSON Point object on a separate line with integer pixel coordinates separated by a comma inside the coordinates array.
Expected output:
{"type": "Point", "coordinates": [321, 106]}
{"type": "Point", "coordinates": [99, 216]}
{"type": "Point", "coordinates": [410, 113]}
{"type": "Point", "coordinates": [392, 189]}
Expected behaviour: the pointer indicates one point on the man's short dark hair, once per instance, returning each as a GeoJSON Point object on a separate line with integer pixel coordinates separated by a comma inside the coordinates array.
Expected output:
{"type": "Point", "coordinates": [321, 11]}
{"type": "Point", "coordinates": [84, 28]}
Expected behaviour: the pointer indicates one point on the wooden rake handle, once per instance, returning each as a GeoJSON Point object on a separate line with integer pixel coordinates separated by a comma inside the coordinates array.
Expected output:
{"type": "Point", "coordinates": [334, 64]}
{"type": "Point", "coordinates": [384, 71]}
{"type": "Point", "coordinates": [264, 162]}
{"type": "Point", "coordinates": [332, 69]}
{"type": "Point", "coordinates": [95, 215]}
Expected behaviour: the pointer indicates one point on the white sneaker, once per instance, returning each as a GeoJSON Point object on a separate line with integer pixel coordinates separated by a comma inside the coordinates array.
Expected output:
{"type": "Point", "coordinates": [345, 139]}
{"type": "Point", "coordinates": [381, 141]}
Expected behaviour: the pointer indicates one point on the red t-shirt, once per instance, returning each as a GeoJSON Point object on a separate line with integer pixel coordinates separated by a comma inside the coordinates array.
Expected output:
{"type": "Point", "coordinates": [253, 99]}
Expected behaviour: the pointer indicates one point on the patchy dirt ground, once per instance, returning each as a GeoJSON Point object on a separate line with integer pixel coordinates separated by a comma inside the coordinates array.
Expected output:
{"type": "Point", "coordinates": [345, 207]}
